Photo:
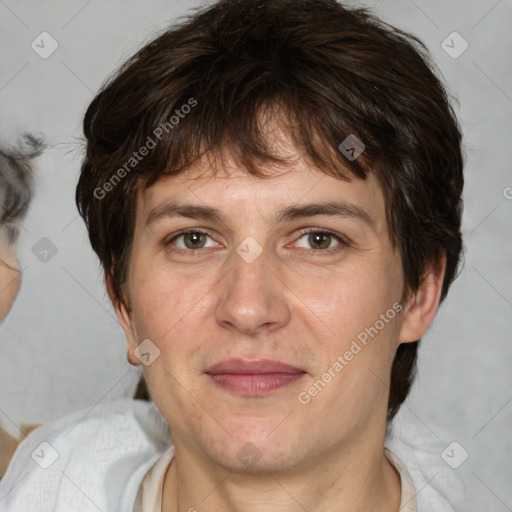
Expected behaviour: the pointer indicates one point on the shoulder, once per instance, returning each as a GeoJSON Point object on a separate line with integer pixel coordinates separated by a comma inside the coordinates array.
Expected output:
{"type": "Point", "coordinates": [92, 459]}
{"type": "Point", "coordinates": [438, 486]}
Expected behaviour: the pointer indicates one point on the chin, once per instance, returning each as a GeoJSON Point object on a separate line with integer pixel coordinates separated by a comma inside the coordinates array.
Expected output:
{"type": "Point", "coordinates": [257, 449]}
{"type": "Point", "coordinates": [253, 460]}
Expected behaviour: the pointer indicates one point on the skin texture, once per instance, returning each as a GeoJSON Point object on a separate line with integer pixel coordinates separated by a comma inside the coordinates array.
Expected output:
{"type": "Point", "coordinates": [294, 304]}
{"type": "Point", "coordinates": [10, 278]}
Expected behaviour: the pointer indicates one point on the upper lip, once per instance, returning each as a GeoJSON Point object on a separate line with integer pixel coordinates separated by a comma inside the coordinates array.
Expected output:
{"type": "Point", "coordinates": [257, 366]}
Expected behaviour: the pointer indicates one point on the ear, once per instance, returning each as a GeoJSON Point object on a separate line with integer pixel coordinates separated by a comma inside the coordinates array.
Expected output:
{"type": "Point", "coordinates": [421, 307]}
{"type": "Point", "coordinates": [125, 320]}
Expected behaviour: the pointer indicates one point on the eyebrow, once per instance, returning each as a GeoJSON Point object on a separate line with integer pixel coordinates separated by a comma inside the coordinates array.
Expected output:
{"type": "Point", "coordinates": [331, 208]}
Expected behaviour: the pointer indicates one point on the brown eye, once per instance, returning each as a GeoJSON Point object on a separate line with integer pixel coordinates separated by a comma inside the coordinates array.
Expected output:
{"type": "Point", "coordinates": [191, 240]}
{"type": "Point", "coordinates": [194, 239]}
{"type": "Point", "coordinates": [319, 240]}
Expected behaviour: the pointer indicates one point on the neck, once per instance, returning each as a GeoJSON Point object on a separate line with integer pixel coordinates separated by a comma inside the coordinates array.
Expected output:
{"type": "Point", "coordinates": [342, 481]}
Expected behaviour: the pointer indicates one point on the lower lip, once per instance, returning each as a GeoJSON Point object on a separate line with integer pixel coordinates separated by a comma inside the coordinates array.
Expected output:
{"type": "Point", "coordinates": [254, 384]}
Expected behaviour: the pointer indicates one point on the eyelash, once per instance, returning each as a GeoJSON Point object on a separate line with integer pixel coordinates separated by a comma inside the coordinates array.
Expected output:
{"type": "Point", "coordinates": [343, 241]}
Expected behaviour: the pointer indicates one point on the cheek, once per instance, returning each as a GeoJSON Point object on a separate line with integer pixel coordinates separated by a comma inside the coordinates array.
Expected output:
{"type": "Point", "coordinates": [164, 304]}
{"type": "Point", "coordinates": [359, 308]}
{"type": "Point", "coordinates": [348, 301]}
{"type": "Point", "coordinates": [10, 282]}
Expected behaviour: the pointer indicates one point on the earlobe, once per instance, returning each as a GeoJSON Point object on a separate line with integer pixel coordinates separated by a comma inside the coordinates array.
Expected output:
{"type": "Point", "coordinates": [421, 308]}
{"type": "Point", "coordinates": [130, 356]}
{"type": "Point", "coordinates": [125, 320]}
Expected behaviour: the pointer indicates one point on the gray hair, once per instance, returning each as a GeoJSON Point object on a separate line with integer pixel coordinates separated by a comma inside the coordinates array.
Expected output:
{"type": "Point", "coordinates": [17, 183]}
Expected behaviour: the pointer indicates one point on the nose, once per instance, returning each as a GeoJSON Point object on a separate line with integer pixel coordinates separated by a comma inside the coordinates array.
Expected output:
{"type": "Point", "coordinates": [252, 297]}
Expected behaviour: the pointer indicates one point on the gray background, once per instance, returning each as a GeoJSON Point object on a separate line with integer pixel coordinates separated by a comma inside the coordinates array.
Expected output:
{"type": "Point", "coordinates": [62, 349]}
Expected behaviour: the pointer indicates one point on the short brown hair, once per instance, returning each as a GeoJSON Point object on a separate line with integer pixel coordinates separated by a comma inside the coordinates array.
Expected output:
{"type": "Point", "coordinates": [332, 72]}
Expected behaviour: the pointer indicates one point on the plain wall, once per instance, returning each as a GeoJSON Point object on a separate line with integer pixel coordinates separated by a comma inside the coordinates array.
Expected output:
{"type": "Point", "coordinates": [61, 348]}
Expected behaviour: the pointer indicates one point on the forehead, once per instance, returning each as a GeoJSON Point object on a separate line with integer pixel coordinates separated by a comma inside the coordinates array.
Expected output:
{"type": "Point", "coordinates": [231, 194]}
{"type": "Point", "coordinates": [219, 180]}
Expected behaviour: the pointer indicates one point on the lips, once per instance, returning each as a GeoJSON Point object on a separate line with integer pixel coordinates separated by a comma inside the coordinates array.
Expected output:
{"type": "Point", "coordinates": [253, 378]}
{"type": "Point", "coordinates": [248, 367]}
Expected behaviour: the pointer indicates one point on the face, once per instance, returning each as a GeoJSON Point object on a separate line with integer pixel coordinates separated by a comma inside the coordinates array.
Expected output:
{"type": "Point", "coordinates": [10, 277]}
{"type": "Point", "coordinates": [267, 278]}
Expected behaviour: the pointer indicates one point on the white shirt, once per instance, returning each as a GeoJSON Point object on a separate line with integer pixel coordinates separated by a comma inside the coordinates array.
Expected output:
{"type": "Point", "coordinates": [107, 457]}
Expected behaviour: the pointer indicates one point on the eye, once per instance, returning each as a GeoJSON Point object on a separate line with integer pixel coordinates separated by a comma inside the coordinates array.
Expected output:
{"type": "Point", "coordinates": [190, 240]}
{"type": "Point", "coordinates": [320, 240]}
